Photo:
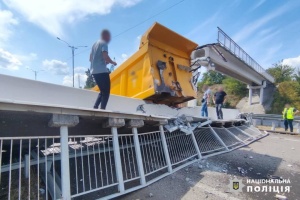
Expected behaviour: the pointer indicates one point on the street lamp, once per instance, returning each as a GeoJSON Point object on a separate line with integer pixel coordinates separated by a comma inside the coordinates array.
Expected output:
{"type": "Point", "coordinates": [35, 72]}
{"type": "Point", "coordinates": [73, 50]}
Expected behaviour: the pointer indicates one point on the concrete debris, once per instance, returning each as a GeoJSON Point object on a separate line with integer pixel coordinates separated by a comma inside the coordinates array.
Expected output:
{"type": "Point", "coordinates": [187, 179]}
{"type": "Point", "coordinates": [251, 157]}
{"type": "Point", "coordinates": [293, 148]}
{"type": "Point", "coordinates": [280, 197]}
{"type": "Point", "coordinates": [49, 151]}
{"type": "Point", "coordinates": [258, 173]}
{"type": "Point", "coordinates": [200, 166]}
{"type": "Point", "coordinates": [289, 165]}
{"type": "Point", "coordinates": [182, 123]}
{"type": "Point", "coordinates": [150, 194]}
{"type": "Point", "coordinates": [242, 171]}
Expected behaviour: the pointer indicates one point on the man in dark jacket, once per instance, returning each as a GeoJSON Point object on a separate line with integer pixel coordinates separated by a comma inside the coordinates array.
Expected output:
{"type": "Point", "coordinates": [219, 100]}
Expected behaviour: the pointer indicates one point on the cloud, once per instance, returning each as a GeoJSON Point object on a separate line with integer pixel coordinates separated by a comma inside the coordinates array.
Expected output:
{"type": "Point", "coordinates": [124, 56]}
{"type": "Point", "coordinates": [9, 61]}
{"type": "Point", "coordinates": [7, 21]}
{"type": "Point", "coordinates": [56, 67]}
{"type": "Point", "coordinates": [81, 70]}
{"type": "Point", "coordinates": [269, 54]}
{"type": "Point", "coordinates": [79, 80]}
{"type": "Point", "coordinates": [54, 15]}
{"type": "Point", "coordinates": [294, 62]}
{"type": "Point", "coordinates": [252, 27]}
{"type": "Point", "coordinates": [208, 22]}
{"type": "Point", "coordinates": [258, 4]}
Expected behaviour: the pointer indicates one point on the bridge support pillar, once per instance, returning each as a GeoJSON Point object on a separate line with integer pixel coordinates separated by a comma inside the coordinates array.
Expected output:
{"type": "Point", "coordinates": [261, 92]}
{"type": "Point", "coordinates": [250, 94]}
{"type": "Point", "coordinates": [261, 95]}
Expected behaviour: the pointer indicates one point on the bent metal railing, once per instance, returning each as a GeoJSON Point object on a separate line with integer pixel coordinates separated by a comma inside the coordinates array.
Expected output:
{"type": "Point", "coordinates": [107, 166]}
{"type": "Point", "coordinates": [225, 41]}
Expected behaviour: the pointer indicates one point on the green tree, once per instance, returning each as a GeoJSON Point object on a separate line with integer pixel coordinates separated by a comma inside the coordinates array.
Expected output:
{"type": "Point", "coordinates": [90, 83]}
{"type": "Point", "coordinates": [297, 75]}
{"type": "Point", "coordinates": [235, 87]}
{"type": "Point", "coordinates": [281, 72]}
{"type": "Point", "coordinates": [287, 92]}
{"type": "Point", "coordinates": [211, 78]}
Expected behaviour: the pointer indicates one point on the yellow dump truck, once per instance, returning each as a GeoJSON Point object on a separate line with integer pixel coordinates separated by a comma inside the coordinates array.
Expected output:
{"type": "Point", "coordinates": [159, 71]}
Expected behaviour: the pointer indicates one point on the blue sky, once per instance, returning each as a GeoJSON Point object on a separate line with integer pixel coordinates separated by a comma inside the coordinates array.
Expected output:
{"type": "Point", "coordinates": [267, 29]}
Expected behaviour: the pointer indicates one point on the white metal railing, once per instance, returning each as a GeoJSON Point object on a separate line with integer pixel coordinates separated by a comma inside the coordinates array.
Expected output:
{"type": "Point", "coordinates": [106, 166]}
{"type": "Point", "coordinates": [235, 49]}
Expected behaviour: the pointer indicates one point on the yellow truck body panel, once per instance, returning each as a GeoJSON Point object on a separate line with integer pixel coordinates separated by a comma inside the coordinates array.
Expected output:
{"type": "Point", "coordinates": [159, 71]}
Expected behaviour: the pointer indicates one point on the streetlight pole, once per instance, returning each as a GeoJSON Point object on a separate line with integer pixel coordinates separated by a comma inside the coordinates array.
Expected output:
{"type": "Point", "coordinates": [35, 72]}
{"type": "Point", "coordinates": [73, 54]}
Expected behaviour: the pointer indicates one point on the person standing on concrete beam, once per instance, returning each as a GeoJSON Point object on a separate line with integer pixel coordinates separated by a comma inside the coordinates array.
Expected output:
{"type": "Point", "coordinates": [99, 58]}
{"type": "Point", "coordinates": [288, 116]}
{"type": "Point", "coordinates": [219, 100]}
{"type": "Point", "coordinates": [205, 101]}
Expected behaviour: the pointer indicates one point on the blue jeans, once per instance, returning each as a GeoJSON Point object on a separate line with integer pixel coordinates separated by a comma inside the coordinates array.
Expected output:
{"type": "Point", "coordinates": [204, 111]}
{"type": "Point", "coordinates": [288, 123]}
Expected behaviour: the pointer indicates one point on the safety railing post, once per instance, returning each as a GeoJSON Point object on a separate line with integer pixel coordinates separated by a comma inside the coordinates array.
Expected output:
{"type": "Point", "coordinates": [63, 122]}
{"type": "Point", "coordinates": [165, 147]}
{"type": "Point", "coordinates": [117, 157]}
{"type": "Point", "coordinates": [196, 146]}
{"type": "Point", "coordinates": [218, 138]}
{"type": "Point", "coordinates": [138, 154]}
{"type": "Point", "coordinates": [134, 124]}
{"type": "Point", "coordinates": [65, 167]}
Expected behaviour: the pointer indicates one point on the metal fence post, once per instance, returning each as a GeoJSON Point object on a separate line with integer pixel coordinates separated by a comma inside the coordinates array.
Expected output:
{"type": "Point", "coordinates": [117, 156]}
{"type": "Point", "coordinates": [138, 156]}
{"type": "Point", "coordinates": [273, 126]}
{"type": "Point", "coordinates": [165, 147]}
{"type": "Point", "coordinates": [196, 145]}
{"type": "Point", "coordinates": [218, 138]}
{"type": "Point", "coordinates": [65, 167]}
{"type": "Point", "coordinates": [63, 122]}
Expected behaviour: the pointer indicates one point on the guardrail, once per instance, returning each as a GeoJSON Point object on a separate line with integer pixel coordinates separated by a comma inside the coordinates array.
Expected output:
{"type": "Point", "coordinates": [106, 166]}
{"type": "Point", "coordinates": [225, 41]}
{"type": "Point", "coordinates": [274, 121]}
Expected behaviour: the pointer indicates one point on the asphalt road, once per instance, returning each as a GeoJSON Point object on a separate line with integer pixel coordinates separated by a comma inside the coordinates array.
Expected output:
{"type": "Point", "coordinates": [276, 154]}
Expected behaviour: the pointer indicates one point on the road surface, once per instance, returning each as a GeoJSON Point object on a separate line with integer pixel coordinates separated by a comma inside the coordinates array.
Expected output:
{"type": "Point", "coordinates": [276, 154]}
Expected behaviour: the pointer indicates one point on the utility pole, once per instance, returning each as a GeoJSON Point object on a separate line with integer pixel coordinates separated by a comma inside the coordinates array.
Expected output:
{"type": "Point", "coordinates": [35, 72]}
{"type": "Point", "coordinates": [73, 48]}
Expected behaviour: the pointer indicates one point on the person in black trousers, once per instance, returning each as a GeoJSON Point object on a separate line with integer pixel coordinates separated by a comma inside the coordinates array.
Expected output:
{"type": "Point", "coordinates": [99, 58]}
{"type": "Point", "coordinates": [219, 100]}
